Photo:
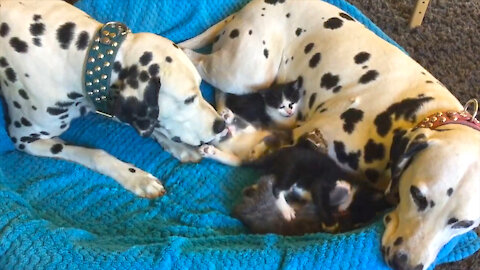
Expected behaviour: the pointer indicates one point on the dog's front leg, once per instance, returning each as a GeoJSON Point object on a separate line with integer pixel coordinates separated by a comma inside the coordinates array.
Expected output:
{"type": "Point", "coordinates": [181, 151]}
{"type": "Point", "coordinates": [130, 177]}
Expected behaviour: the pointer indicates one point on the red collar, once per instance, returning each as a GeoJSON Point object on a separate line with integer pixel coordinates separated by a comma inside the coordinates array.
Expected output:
{"type": "Point", "coordinates": [449, 117]}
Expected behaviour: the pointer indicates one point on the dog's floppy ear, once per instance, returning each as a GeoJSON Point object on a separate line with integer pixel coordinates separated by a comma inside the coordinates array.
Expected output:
{"type": "Point", "coordinates": [142, 114]}
{"type": "Point", "coordinates": [405, 146]}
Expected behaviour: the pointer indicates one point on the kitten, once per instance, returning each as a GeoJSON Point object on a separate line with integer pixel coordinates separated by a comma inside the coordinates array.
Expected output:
{"type": "Point", "coordinates": [307, 173]}
{"type": "Point", "coordinates": [258, 211]}
{"type": "Point", "coordinates": [276, 106]}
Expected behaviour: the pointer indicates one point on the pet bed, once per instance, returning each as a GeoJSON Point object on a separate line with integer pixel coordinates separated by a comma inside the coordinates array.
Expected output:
{"type": "Point", "coordinates": [56, 214]}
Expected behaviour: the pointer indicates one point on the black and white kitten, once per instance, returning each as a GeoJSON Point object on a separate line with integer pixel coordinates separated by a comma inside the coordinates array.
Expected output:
{"type": "Point", "coordinates": [276, 106]}
{"type": "Point", "coordinates": [305, 172]}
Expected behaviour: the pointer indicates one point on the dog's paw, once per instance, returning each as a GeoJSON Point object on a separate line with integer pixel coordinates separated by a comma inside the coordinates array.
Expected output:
{"type": "Point", "coordinates": [145, 185]}
{"type": "Point", "coordinates": [227, 115]}
{"type": "Point", "coordinates": [288, 213]}
{"type": "Point", "coordinates": [206, 150]}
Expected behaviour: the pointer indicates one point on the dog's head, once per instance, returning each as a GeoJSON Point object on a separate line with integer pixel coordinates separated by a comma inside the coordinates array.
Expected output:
{"type": "Point", "coordinates": [436, 175]}
{"type": "Point", "coordinates": [158, 90]}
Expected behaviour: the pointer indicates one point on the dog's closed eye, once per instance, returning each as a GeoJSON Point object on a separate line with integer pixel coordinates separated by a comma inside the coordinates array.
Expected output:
{"type": "Point", "coordinates": [190, 99]}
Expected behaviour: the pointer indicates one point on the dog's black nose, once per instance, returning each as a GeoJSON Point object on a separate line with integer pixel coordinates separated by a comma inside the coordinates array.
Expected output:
{"type": "Point", "coordinates": [219, 126]}
{"type": "Point", "coordinates": [399, 261]}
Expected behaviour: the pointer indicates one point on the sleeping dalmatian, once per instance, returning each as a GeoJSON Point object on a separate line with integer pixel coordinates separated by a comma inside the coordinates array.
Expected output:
{"type": "Point", "coordinates": [383, 116]}
{"type": "Point", "coordinates": [155, 88]}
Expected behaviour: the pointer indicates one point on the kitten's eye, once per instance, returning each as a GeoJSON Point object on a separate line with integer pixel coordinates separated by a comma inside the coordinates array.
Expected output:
{"type": "Point", "coordinates": [282, 107]}
{"type": "Point", "coordinates": [290, 105]}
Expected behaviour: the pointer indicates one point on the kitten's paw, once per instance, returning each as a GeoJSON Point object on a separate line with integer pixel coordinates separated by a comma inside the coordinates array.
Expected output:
{"type": "Point", "coordinates": [206, 150]}
{"type": "Point", "coordinates": [288, 213]}
{"type": "Point", "coordinates": [227, 115]}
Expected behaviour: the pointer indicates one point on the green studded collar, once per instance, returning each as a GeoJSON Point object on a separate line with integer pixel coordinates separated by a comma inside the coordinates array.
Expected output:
{"type": "Point", "coordinates": [99, 64]}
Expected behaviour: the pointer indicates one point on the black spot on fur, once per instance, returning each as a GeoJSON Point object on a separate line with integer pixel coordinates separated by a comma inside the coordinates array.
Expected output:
{"type": "Point", "coordinates": [37, 17]}
{"type": "Point", "coordinates": [11, 75]}
{"type": "Point", "coordinates": [83, 110]}
{"type": "Point", "coordinates": [314, 60]}
{"type": "Point", "coordinates": [452, 220]}
{"type": "Point", "coordinates": [298, 31]}
{"type": "Point", "coordinates": [14, 140]}
{"type": "Point", "coordinates": [132, 170]}
{"type": "Point", "coordinates": [82, 41]}
{"type": "Point", "coordinates": [65, 34]}
{"type": "Point", "coordinates": [34, 108]}
{"type": "Point", "coordinates": [308, 48]}
{"type": "Point", "coordinates": [63, 116]}
{"type": "Point", "coordinates": [3, 62]}
{"type": "Point", "coordinates": [17, 105]}
{"type": "Point", "coordinates": [44, 133]}
{"type": "Point", "coordinates": [144, 76]}
{"type": "Point", "coordinates": [146, 58]}
{"type": "Point", "coordinates": [333, 23]}
{"type": "Point", "coordinates": [372, 175]}
{"type": "Point", "coordinates": [265, 53]}
{"type": "Point", "coordinates": [371, 75]}
{"type": "Point", "coordinates": [351, 158]}
{"type": "Point", "coordinates": [4, 29]}
{"type": "Point", "coordinates": [329, 80]}
{"type": "Point", "coordinates": [350, 118]}
{"type": "Point", "coordinates": [19, 45]}
{"type": "Point", "coordinates": [346, 16]}
{"type": "Point", "coordinates": [234, 33]}
{"type": "Point", "coordinates": [418, 198]}
{"type": "Point", "coordinates": [176, 139]}
{"type": "Point", "coordinates": [449, 192]}
{"type": "Point", "coordinates": [37, 29]}
{"type": "Point", "coordinates": [153, 70]}
{"type": "Point", "coordinates": [312, 99]}
{"type": "Point", "coordinates": [319, 106]}
{"type": "Point", "coordinates": [17, 124]}
{"type": "Point", "coordinates": [64, 104]}
{"type": "Point", "coordinates": [373, 151]}
{"type": "Point", "coordinates": [432, 204]}
{"type": "Point", "coordinates": [464, 224]}
{"type": "Point", "coordinates": [56, 148]}
{"type": "Point", "coordinates": [56, 111]}
{"type": "Point", "coordinates": [21, 146]}
{"type": "Point", "coordinates": [62, 126]}
{"type": "Point", "coordinates": [406, 108]}
{"type": "Point", "coordinates": [168, 59]}
{"type": "Point", "coordinates": [37, 42]}
{"type": "Point", "coordinates": [274, 2]}
{"type": "Point", "coordinates": [25, 122]}
{"type": "Point", "coordinates": [361, 58]}
{"type": "Point", "coordinates": [117, 67]}
{"type": "Point", "coordinates": [74, 95]}
{"type": "Point", "coordinates": [250, 32]}
{"type": "Point", "coordinates": [28, 139]}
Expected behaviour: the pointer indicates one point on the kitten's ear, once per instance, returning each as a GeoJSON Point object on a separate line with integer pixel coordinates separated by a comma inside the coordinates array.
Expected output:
{"type": "Point", "coordinates": [298, 83]}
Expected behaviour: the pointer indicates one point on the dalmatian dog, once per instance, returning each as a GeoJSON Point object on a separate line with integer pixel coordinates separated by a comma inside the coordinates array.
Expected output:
{"type": "Point", "coordinates": [42, 58]}
{"type": "Point", "coordinates": [368, 98]}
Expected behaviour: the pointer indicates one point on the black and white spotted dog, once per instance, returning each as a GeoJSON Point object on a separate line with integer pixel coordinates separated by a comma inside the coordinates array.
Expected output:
{"type": "Point", "coordinates": [43, 47]}
{"type": "Point", "coordinates": [366, 96]}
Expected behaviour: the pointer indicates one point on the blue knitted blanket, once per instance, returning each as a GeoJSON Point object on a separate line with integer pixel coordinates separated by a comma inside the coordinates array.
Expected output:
{"type": "Point", "coordinates": [56, 214]}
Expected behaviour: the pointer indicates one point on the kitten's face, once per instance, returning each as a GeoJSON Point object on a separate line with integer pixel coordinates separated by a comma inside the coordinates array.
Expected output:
{"type": "Point", "coordinates": [283, 99]}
